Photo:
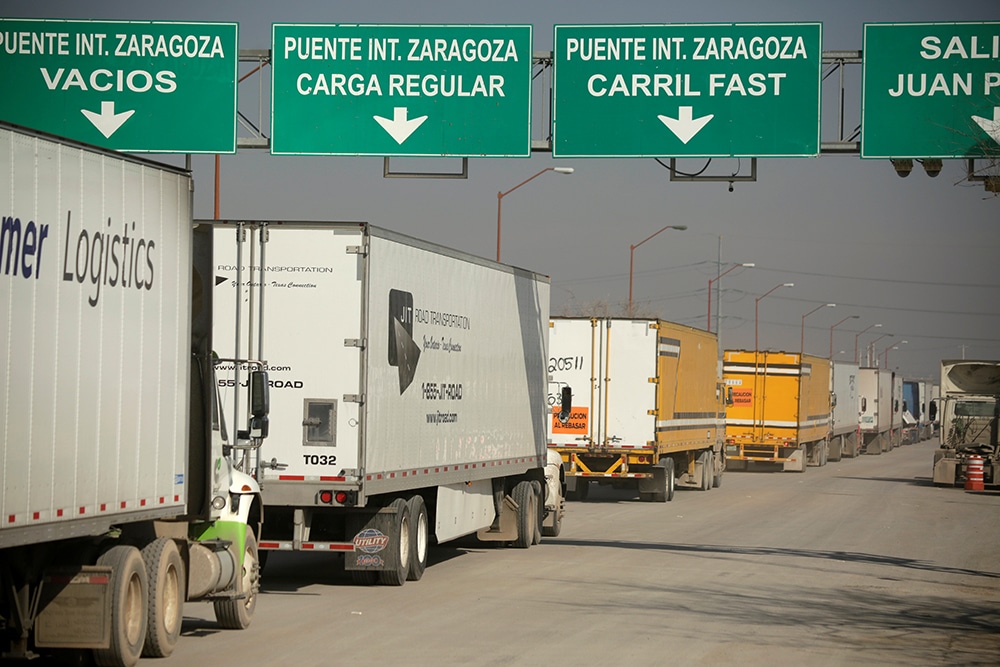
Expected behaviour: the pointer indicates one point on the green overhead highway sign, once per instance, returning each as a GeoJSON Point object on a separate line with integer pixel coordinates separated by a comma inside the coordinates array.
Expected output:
{"type": "Point", "coordinates": [132, 86]}
{"type": "Point", "coordinates": [687, 90]}
{"type": "Point", "coordinates": [401, 90]}
{"type": "Point", "coordinates": [931, 90]}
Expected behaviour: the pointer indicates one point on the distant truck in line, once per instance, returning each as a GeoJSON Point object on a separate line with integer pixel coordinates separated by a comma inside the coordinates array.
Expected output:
{"type": "Point", "coordinates": [408, 397]}
{"type": "Point", "coordinates": [844, 431]}
{"type": "Point", "coordinates": [647, 407]}
{"type": "Point", "coordinates": [120, 498]}
{"type": "Point", "coordinates": [970, 413]}
{"type": "Point", "coordinates": [779, 412]}
{"type": "Point", "coordinates": [876, 410]}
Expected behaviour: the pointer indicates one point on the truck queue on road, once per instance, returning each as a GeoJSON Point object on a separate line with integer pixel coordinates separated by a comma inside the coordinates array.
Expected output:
{"type": "Point", "coordinates": [392, 394]}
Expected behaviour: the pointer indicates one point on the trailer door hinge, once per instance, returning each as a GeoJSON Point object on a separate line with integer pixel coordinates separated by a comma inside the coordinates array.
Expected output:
{"type": "Point", "coordinates": [653, 413]}
{"type": "Point", "coordinates": [354, 398]}
{"type": "Point", "coordinates": [654, 380]}
{"type": "Point", "coordinates": [358, 249]}
{"type": "Point", "coordinates": [356, 342]}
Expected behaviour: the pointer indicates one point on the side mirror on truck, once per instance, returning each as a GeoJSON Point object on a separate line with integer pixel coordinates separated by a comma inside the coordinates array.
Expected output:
{"type": "Point", "coordinates": [565, 403]}
{"type": "Point", "coordinates": [729, 395]}
{"type": "Point", "coordinates": [260, 405]}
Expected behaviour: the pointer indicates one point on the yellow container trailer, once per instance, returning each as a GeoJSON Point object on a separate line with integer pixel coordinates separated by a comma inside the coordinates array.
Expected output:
{"type": "Point", "coordinates": [777, 409]}
{"type": "Point", "coordinates": [647, 405]}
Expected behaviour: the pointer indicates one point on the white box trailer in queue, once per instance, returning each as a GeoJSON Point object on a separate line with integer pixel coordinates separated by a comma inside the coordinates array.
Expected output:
{"type": "Point", "coordinates": [408, 392]}
{"type": "Point", "coordinates": [117, 495]}
{"type": "Point", "coordinates": [844, 432]}
{"type": "Point", "coordinates": [875, 410]}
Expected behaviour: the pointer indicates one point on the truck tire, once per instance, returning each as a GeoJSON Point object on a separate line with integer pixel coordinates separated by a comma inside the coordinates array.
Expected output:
{"type": "Point", "coordinates": [419, 538]}
{"type": "Point", "coordinates": [236, 613]}
{"type": "Point", "coordinates": [555, 528]}
{"type": "Point", "coordinates": [167, 592]}
{"type": "Point", "coordinates": [400, 537]}
{"type": "Point", "coordinates": [705, 459]}
{"type": "Point", "coordinates": [668, 483]}
{"type": "Point", "coordinates": [717, 476]}
{"type": "Point", "coordinates": [527, 514]}
{"type": "Point", "coordinates": [129, 586]}
{"type": "Point", "coordinates": [582, 488]}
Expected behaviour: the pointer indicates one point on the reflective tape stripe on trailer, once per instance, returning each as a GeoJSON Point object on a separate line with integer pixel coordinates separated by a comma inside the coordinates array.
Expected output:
{"type": "Point", "coordinates": [88, 510]}
{"type": "Point", "coordinates": [436, 470]}
{"type": "Point", "coordinates": [306, 546]}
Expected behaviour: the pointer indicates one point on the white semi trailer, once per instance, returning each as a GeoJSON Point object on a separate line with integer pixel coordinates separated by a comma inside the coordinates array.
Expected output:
{"type": "Point", "coordinates": [844, 428]}
{"type": "Point", "coordinates": [408, 392]}
{"type": "Point", "coordinates": [118, 500]}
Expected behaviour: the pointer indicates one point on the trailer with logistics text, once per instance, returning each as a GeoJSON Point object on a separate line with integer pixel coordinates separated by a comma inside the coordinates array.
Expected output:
{"type": "Point", "coordinates": [844, 411]}
{"type": "Point", "coordinates": [119, 500]}
{"type": "Point", "coordinates": [647, 406]}
{"type": "Point", "coordinates": [970, 421]}
{"type": "Point", "coordinates": [780, 409]}
{"type": "Point", "coordinates": [408, 392]}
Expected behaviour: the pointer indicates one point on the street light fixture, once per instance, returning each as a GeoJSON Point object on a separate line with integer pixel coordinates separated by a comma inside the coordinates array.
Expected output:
{"type": "Point", "coordinates": [501, 195]}
{"type": "Point", "coordinates": [849, 317]}
{"type": "Point", "coordinates": [858, 335]}
{"type": "Point", "coordinates": [802, 344]}
{"type": "Point", "coordinates": [756, 309]}
{"type": "Point", "coordinates": [886, 352]}
{"type": "Point", "coordinates": [871, 348]}
{"type": "Point", "coordinates": [708, 325]}
{"type": "Point", "coordinates": [631, 259]}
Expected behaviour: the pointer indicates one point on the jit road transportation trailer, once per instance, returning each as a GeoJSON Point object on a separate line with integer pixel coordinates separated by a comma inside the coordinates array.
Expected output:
{"type": "Point", "coordinates": [875, 417]}
{"type": "Point", "coordinates": [408, 391]}
{"type": "Point", "coordinates": [647, 409]}
{"type": "Point", "coordinates": [780, 409]}
{"type": "Point", "coordinates": [970, 412]}
{"type": "Point", "coordinates": [844, 411]}
{"type": "Point", "coordinates": [118, 498]}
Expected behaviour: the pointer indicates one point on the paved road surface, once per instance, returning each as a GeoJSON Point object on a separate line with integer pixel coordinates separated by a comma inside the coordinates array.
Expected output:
{"type": "Point", "coordinates": [862, 562]}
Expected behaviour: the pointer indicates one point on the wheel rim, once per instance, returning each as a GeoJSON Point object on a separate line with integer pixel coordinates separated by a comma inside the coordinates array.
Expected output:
{"type": "Point", "coordinates": [404, 545]}
{"type": "Point", "coordinates": [134, 612]}
{"type": "Point", "coordinates": [421, 545]}
{"type": "Point", "coordinates": [250, 571]}
{"type": "Point", "coordinates": [172, 601]}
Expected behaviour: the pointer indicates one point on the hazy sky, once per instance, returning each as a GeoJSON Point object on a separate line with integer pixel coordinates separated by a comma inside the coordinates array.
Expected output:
{"type": "Point", "coordinates": [918, 255]}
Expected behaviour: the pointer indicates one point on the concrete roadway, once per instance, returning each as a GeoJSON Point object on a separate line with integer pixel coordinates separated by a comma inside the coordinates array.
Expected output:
{"type": "Point", "coordinates": [861, 562]}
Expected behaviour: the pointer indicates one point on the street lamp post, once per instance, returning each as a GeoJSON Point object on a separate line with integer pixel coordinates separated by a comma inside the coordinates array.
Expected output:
{"type": "Point", "coordinates": [849, 317]}
{"type": "Point", "coordinates": [631, 259]}
{"type": "Point", "coordinates": [501, 195]}
{"type": "Point", "coordinates": [858, 335]}
{"type": "Point", "coordinates": [802, 344]}
{"type": "Point", "coordinates": [756, 309]}
{"type": "Point", "coordinates": [871, 348]}
{"type": "Point", "coordinates": [886, 352]}
{"type": "Point", "coordinates": [708, 326]}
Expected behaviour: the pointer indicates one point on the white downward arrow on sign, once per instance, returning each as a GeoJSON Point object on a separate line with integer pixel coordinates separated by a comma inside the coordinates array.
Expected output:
{"type": "Point", "coordinates": [990, 127]}
{"type": "Point", "coordinates": [399, 128]}
{"type": "Point", "coordinates": [685, 126]}
{"type": "Point", "coordinates": [107, 122]}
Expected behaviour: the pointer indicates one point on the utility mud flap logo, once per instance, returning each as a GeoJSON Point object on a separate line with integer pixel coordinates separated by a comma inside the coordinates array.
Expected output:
{"type": "Point", "coordinates": [403, 352]}
{"type": "Point", "coordinates": [371, 541]}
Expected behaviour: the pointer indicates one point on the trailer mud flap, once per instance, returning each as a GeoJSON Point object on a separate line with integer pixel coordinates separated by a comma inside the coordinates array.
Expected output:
{"type": "Point", "coordinates": [75, 608]}
{"type": "Point", "coordinates": [372, 541]}
{"type": "Point", "coordinates": [507, 528]}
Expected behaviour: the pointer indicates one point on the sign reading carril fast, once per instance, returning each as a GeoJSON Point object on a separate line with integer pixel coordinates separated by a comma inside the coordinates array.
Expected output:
{"type": "Point", "coordinates": [686, 90]}
{"type": "Point", "coordinates": [130, 86]}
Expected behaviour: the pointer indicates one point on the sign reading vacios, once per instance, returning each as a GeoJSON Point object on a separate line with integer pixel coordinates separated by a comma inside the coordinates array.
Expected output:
{"type": "Point", "coordinates": [931, 90]}
{"type": "Point", "coordinates": [401, 90]}
{"type": "Point", "coordinates": [687, 90]}
{"type": "Point", "coordinates": [125, 85]}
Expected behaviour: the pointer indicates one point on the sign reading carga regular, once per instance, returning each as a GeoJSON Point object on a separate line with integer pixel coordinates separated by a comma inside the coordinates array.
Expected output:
{"type": "Point", "coordinates": [931, 90]}
{"type": "Point", "coordinates": [406, 90]}
{"type": "Point", "coordinates": [687, 90]}
{"type": "Point", "coordinates": [129, 86]}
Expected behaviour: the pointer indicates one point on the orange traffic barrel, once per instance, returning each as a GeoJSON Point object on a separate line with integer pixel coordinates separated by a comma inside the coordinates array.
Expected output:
{"type": "Point", "coordinates": [974, 474]}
